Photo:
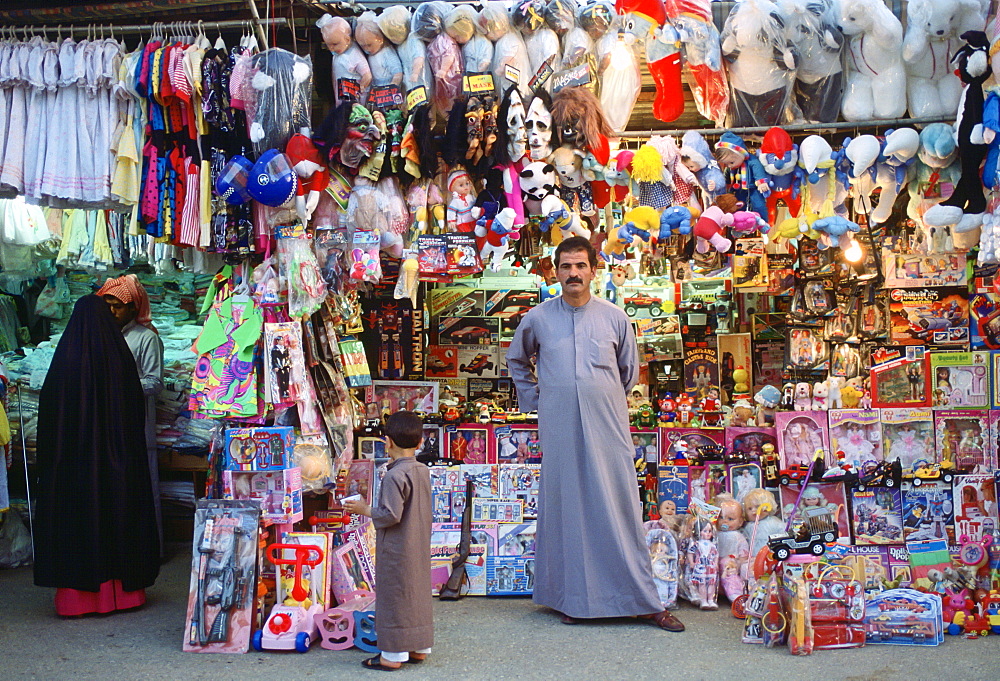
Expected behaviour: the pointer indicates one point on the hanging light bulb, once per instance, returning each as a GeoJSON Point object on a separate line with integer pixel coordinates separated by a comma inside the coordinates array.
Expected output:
{"type": "Point", "coordinates": [853, 252]}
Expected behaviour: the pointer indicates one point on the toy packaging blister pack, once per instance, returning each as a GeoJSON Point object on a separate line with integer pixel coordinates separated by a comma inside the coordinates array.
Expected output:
{"type": "Point", "coordinates": [223, 577]}
{"type": "Point", "coordinates": [876, 516]}
{"type": "Point", "coordinates": [961, 437]}
{"type": "Point", "coordinates": [928, 511]}
{"type": "Point", "coordinates": [900, 377]}
{"type": "Point", "coordinates": [801, 435]}
{"type": "Point", "coordinates": [904, 617]}
{"type": "Point", "coordinates": [279, 492]}
{"type": "Point", "coordinates": [858, 434]}
{"type": "Point", "coordinates": [258, 449]}
{"type": "Point", "coordinates": [960, 380]}
{"type": "Point", "coordinates": [974, 500]}
{"type": "Point", "coordinates": [908, 436]}
{"type": "Point", "coordinates": [511, 570]}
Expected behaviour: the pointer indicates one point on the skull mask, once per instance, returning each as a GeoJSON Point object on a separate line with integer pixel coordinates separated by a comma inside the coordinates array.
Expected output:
{"type": "Point", "coordinates": [538, 124]}
{"type": "Point", "coordinates": [517, 136]}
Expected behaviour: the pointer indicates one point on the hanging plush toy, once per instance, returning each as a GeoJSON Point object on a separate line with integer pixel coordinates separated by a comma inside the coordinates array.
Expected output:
{"type": "Point", "coordinates": [313, 175]}
{"type": "Point", "coordinates": [876, 79]}
{"type": "Point", "coordinates": [762, 64]}
{"type": "Point", "coordinates": [701, 47]}
{"type": "Point", "coordinates": [964, 209]}
{"type": "Point", "coordinates": [748, 181]}
{"type": "Point", "coordinates": [697, 157]}
{"type": "Point", "coordinates": [351, 74]}
{"type": "Point", "coordinates": [620, 238]}
{"type": "Point", "coordinates": [933, 28]}
{"type": "Point", "coordinates": [646, 20]}
{"type": "Point", "coordinates": [780, 159]}
{"type": "Point", "coordinates": [654, 182]}
{"type": "Point", "coordinates": [494, 237]}
{"type": "Point", "coordinates": [819, 79]}
{"type": "Point", "coordinates": [935, 174]}
{"type": "Point", "coordinates": [614, 183]}
{"type": "Point", "coordinates": [683, 180]}
{"type": "Point", "coordinates": [710, 228]}
{"type": "Point", "coordinates": [820, 186]}
{"type": "Point", "coordinates": [538, 182]}
{"type": "Point", "coordinates": [835, 231]}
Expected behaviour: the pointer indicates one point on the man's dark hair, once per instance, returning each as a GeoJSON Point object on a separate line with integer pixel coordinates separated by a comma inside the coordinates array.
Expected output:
{"type": "Point", "coordinates": [405, 429]}
{"type": "Point", "coordinates": [573, 245]}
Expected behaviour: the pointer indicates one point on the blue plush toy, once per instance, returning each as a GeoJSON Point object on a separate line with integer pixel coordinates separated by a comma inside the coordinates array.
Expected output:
{"type": "Point", "coordinates": [835, 231]}
{"type": "Point", "coordinates": [674, 220]}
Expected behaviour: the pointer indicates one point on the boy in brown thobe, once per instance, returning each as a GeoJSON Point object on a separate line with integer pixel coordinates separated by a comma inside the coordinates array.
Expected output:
{"type": "Point", "coordinates": [404, 617]}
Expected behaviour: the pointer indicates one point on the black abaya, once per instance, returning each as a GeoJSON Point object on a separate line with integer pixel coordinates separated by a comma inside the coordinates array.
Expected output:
{"type": "Point", "coordinates": [95, 519]}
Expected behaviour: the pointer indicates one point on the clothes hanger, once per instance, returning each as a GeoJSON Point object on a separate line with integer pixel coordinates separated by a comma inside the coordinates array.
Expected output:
{"type": "Point", "coordinates": [220, 44]}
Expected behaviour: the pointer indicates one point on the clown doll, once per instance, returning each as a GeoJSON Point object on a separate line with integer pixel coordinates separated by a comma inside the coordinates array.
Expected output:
{"type": "Point", "coordinates": [780, 159]}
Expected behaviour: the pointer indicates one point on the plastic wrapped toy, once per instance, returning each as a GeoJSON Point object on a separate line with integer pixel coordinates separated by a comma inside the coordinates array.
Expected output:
{"type": "Point", "coordinates": [351, 74]}
{"type": "Point", "coordinates": [283, 83]}
{"type": "Point", "coordinates": [701, 48]}
{"type": "Point", "coordinates": [820, 186]}
{"type": "Point", "coordinates": [761, 63]}
{"type": "Point", "coordinates": [306, 287]}
{"type": "Point", "coordinates": [935, 169]}
{"type": "Point", "coordinates": [933, 28]}
{"type": "Point", "coordinates": [541, 42]}
{"type": "Point", "coordinates": [477, 54]}
{"type": "Point", "coordinates": [734, 549]}
{"type": "Point", "coordinates": [511, 65]}
{"type": "Point", "coordinates": [493, 20]}
{"type": "Point", "coordinates": [819, 79]}
{"type": "Point", "coordinates": [385, 65]}
{"type": "Point", "coordinates": [428, 19]}
{"type": "Point", "coordinates": [416, 68]}
{"type": "Point", "coordinates": [646, 21]}
{"type": "Point", "coordinates": [759, 508]}
{"type": "Point", "coordinates": [701, 569]}
{"type": "Point", "coordinates": [621, 79]}
{"type": "Point", "coordinates": [460, 23]}
{"type": "Point", "coordinates": [876, 78]}
{"type": "Point", "coordinates": [395, 23]}
{"type": "Point", "coordinates": [445, 58]}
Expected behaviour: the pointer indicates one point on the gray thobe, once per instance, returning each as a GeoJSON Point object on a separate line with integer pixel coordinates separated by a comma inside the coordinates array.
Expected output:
{"type": "Point", "coordinates": [404, 614]}
{"type": "Point", "coordinates": [147, 348]}
{"type": "Point", "coordinates": [575, 365]}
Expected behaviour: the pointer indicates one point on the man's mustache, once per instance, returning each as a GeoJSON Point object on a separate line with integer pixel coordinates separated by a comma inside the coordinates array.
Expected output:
{"type": "Point", "coordinates": [574, 280]}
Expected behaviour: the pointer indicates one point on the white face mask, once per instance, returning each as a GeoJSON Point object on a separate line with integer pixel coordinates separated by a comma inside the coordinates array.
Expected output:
{"type": "Point", "coordinates": [516, 134]}
{"type": "Point", "coordinates": [538, 124]}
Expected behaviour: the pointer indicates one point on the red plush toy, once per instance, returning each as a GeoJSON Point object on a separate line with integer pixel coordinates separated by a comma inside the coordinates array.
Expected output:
{"type": "Point", "coordinates": [710, 226]}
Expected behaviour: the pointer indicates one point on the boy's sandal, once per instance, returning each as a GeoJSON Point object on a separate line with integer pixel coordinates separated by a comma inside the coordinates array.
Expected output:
{"type": "Point", "coordinates": [376, 663]}
{"type": "Point", "coordinates": [413, 660]}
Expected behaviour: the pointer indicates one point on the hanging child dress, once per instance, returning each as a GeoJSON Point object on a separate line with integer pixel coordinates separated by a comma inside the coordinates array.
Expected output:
{"type": "Point", "coordinates": [60, 176]}
{"type": "Point", "coordinates": [12, 165]}
{"type": "Point", "coordinates": [42, 77]}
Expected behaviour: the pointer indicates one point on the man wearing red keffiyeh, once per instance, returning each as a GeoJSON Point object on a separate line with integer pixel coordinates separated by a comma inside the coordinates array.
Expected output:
{"type": "Point", "coordinates": [130, 306]}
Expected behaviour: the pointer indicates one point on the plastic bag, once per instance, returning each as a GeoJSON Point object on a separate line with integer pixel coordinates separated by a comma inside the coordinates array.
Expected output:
{"type": "Point", "coordinates": [577, 45]}
{"type": "Point", "coordinates": [394, 205]}
{"type": "Point", "coordinates": [478, 54]}
{"type": "Point", "coordinates": [460, 24]}
{"type": "Point", "coordinates": [542, 46]}
{"type": "Point", "coordinates": [395, 23]}
{"type": "Point", "coordinates": [819, 80]}
{"type": "Point", "coordinates": [306, 287]}
{"type": "Point", "coordinates": [428, 19]}
{"type": "Point", "coordinates": [283, 82]}
{"type": "Point", "coordinates": [621, 81]}
{"type": "Point", "coordinates": [597, 18]}
{"type": "Point", "coordinates": [560, 15]}
{"type": "Point", "coordinates": [383, 61]}
{"type": "Point", "coordinates": [445, 57]}
{"type": "Point", "coordinates": [702, 51]}
{"type": "Point", "coordinates": [15, 541]}
{"type": "Point", "coordinates": [511, 64]}
{"type": "Point", "coordinates": [49, 304]}
{"type": "Point", "coordinates": [493, 20]}
{"type": "Point", "coordinates": [527, 16]}
{"type": "Point", "coordinates": [416, 68]}
{"type": "Point", "coordinates": [761, 65]}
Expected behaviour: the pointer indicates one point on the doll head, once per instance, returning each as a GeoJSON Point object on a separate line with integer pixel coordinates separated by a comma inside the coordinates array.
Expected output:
{"type": "Point", "coordinates": [336, 33]}
{"type": "Point", "coordinates": [368, 35]}
{"type": "Point", "coordinates": [730, 516]}
{"type": "Point", "coordinates": [813, 497]}
{"type": "Point", "coordinates": [668, 508]}
{"type": "Point", "coordinates": [758, 501]}
{"type": "Point", "coordinates": [538, 125]}
{"type": "Point", "coordinates": [706, 531]}
{"type": "Point", "coordinates": [731, 151]}
{"type": "Point", "coordinates": [459, 183]}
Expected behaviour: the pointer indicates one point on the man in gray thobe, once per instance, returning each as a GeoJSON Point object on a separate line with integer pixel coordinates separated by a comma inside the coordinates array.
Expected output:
{"type": "Point", "coordinates": [574, 358]}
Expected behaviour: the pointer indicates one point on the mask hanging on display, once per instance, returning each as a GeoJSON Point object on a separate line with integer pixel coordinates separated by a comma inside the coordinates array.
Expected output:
{"type": "Point", "coordinates": [538, 124]}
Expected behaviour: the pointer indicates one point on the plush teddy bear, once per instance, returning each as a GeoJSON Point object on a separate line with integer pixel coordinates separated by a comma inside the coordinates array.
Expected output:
{"type": "Point", "coordinates": [876, 78]}
{"type": "Point", "coordinates": [803, 397]}
{"type": "Point", "coordinates": [963, 211]}
{"type": "Point", "coordinates": [761, 62]}
{"type": "Point", "coordinates": [819, 80]}
{"type": "Point", "coordinates": [820, 393]}
{"type": "Point", "coordinates": [932, 31]}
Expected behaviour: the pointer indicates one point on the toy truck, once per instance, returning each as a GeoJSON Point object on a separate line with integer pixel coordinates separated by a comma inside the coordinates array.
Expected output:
{"type": "Point", "coordinates": [816, 529]}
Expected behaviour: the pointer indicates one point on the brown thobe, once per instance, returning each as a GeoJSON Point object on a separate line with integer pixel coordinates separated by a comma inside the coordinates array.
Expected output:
{"type": "Point", "coordinates": [404, 616]}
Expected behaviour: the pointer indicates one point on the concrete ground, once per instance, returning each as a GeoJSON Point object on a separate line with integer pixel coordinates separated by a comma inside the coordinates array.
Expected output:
{"type": "Point", "coordinates": [476, 638]}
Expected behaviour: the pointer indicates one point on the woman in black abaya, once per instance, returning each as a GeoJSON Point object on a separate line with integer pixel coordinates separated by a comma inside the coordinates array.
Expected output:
{"type": "Point", "coordinates": [95, 529]}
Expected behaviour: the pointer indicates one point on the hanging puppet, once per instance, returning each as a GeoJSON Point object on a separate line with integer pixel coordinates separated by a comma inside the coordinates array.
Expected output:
{"type": "Point", "coordinates": [780, 159]}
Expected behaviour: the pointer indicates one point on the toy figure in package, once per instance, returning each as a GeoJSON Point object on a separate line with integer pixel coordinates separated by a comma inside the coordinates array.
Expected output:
{"type": "Point", "coordinates": [858, 434]}
{"type": "Point", "coordinates": [876, 516]}
{"type": "Point", "coordinates": [258, 449]}
{"type": "Point", "coordinates": [801, 435]}
{"type": "Point", "coordinates": [672, 490]}
{"type": "Point", "coordinates": [975, 501]}
{"type": "Point", "coordinates": [928, 512]}
{"type": "Point", "coordinates": [512, 569]}
{"type": "Point", "coordinates": [960, 380]}
{"type": "Point", "coordinates": [899, 376]}
{"type": "Point", "coordinates": [961, 437]}
{"type": "Point", "coordinates": [908, 436]}
{"type": "Point", "coordinates": [929, 316]}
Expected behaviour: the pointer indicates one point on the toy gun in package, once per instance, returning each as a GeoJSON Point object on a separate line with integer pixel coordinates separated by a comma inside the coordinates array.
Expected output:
{"type": "Point", "coordinates": [232, 581]}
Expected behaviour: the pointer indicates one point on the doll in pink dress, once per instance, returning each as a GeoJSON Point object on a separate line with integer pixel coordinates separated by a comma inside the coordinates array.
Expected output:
{"type": "Point", "coordinates": [477, 449]}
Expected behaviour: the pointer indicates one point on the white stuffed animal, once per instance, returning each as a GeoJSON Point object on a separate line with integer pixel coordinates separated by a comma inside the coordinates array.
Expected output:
{"type": "Point", "coordinates": [834, 399]}
{"type": "Point", "coordinates": [890, 175]}
{"type": "Point", "coordinates": [811, 25]}
{"type": "Point", "coordinates": [876, 78]}
{"type": "Point", "coordinates": [820, 393]}
{"type": "Point", "coordinates": [932, 35]}
{"type": "Point", "coordinates": [496, 237]}
{"type": "Point", "coordinates": [761, 63]}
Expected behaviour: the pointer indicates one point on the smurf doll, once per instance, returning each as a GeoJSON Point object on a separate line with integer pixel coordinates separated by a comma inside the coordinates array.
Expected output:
{"type": "Point", "coordinates": [462, 211]}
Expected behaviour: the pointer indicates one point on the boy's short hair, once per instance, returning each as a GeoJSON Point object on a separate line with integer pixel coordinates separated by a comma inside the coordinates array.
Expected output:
{"type": "Point", "coordinates": [404, 428]}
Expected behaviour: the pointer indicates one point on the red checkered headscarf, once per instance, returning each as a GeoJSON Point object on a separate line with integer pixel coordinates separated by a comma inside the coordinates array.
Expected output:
{"type": "Point", "coordinates": [128, 290]}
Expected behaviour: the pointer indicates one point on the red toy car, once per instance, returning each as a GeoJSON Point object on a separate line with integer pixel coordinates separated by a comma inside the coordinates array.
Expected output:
{"type": "Point", "coordinates": [643, 302]}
